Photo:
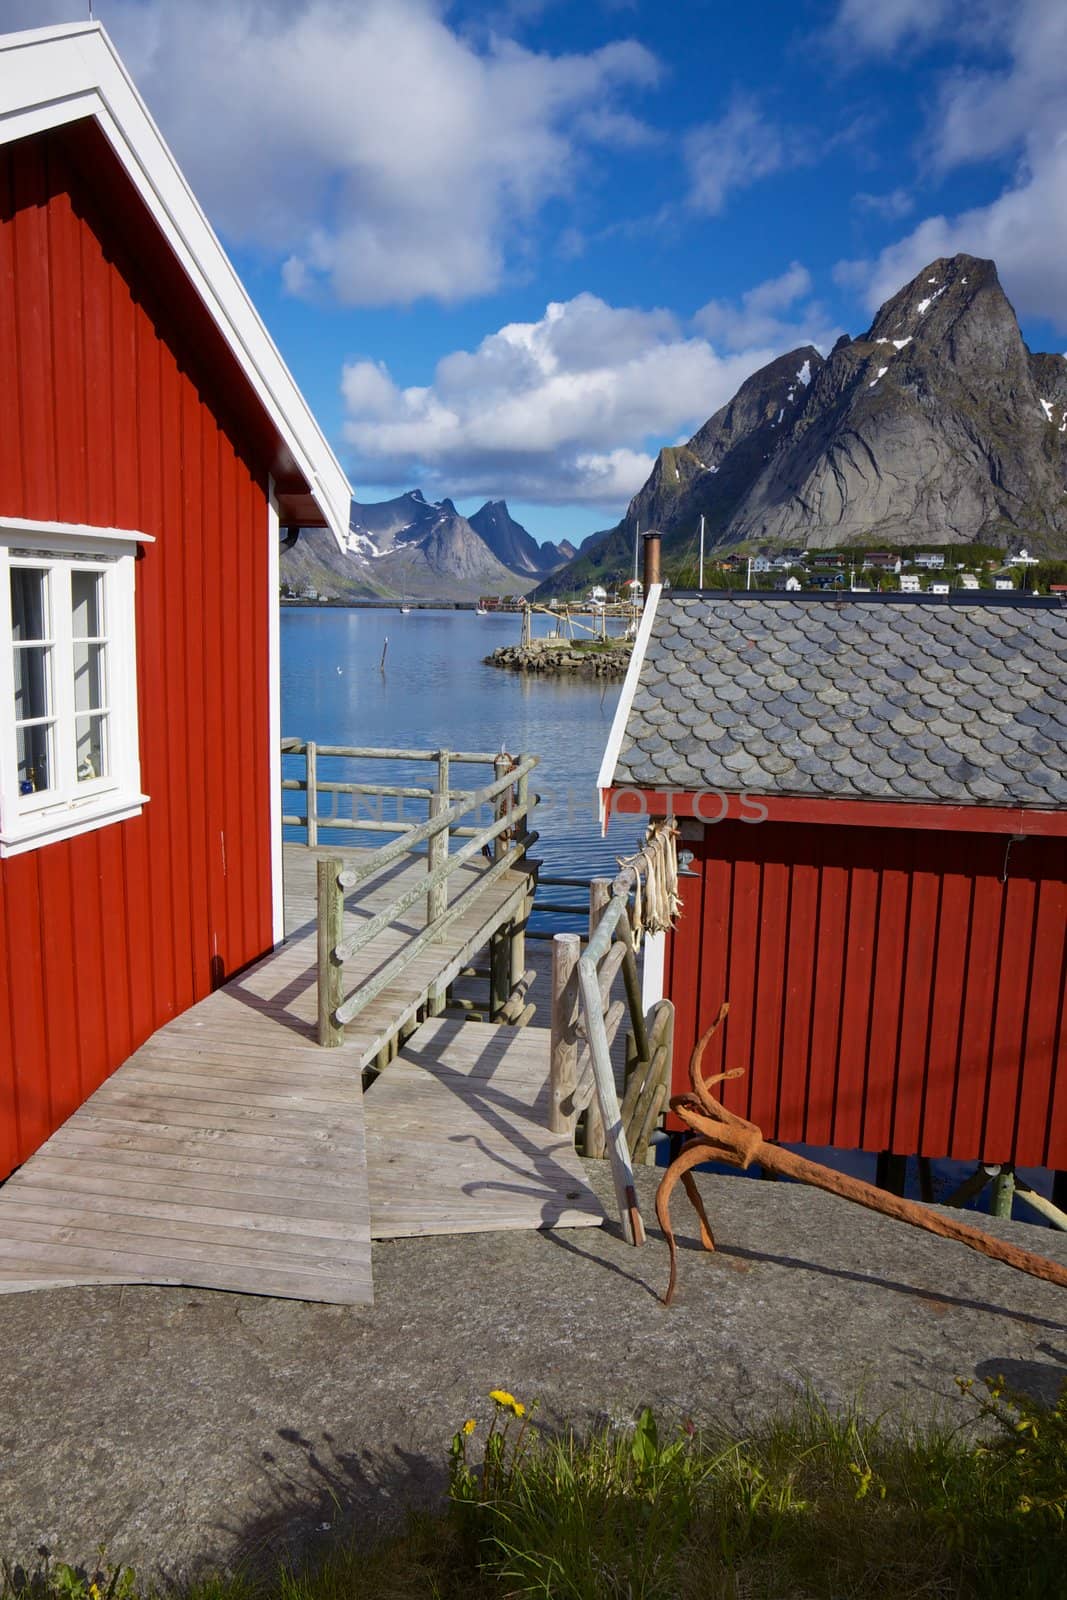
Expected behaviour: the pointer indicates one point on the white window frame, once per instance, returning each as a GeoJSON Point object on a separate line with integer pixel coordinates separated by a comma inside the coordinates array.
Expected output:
{"type": "Point", "coordinates": [29, 821]}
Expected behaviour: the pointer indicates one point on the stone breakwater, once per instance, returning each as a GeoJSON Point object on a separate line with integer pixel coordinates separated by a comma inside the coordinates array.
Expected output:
{"type": "Point", "coordinates": [562, 656]}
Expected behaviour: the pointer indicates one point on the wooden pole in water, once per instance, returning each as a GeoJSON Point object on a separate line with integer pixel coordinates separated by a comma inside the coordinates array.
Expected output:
{"type": "Point", "coordinates": [385, 646]}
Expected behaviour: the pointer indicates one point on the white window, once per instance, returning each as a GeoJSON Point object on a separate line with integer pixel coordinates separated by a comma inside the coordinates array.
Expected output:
{"type": "Point", "coordinates": [69, 758]}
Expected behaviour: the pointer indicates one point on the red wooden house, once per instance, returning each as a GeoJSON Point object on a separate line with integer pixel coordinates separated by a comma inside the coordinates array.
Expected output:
{"type": "Point", "coordinates": [152, 442]}
{"type": "Point", "coordinates": [873, 792]}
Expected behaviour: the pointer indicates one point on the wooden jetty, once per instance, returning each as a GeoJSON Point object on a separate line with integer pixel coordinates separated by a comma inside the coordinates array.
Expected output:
{"type": "Point", "coordinates": [261, 1139]}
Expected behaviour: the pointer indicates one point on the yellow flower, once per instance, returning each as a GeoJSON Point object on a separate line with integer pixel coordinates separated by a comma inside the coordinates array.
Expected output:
{"type": "Point", "coordinates": [469, 1426]}
{"type": "Point", "coordinates": [507, 1402]}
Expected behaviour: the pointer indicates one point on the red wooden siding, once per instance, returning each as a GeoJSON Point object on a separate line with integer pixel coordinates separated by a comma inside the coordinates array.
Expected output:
{"type": "Point", "coordinates": [889, 989]}
{"type": "Point", "coordinates": [111, 413]}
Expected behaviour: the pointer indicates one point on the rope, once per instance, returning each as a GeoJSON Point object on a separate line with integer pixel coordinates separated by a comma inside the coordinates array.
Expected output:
{"type": "Point", "coordinates": [655, 871]}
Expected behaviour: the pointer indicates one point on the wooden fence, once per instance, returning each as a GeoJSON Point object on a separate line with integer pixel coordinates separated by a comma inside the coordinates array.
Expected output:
{"type": "Point", "coordinates": [506, 839]}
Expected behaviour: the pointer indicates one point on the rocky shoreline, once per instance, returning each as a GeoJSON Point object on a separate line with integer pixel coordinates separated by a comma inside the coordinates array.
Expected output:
{"type": "Point", "coordinates": [565, 657]}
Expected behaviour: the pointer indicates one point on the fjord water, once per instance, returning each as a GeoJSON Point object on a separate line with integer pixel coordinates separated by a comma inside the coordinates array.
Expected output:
{"type": "Point", "coordinates": [434, 691]}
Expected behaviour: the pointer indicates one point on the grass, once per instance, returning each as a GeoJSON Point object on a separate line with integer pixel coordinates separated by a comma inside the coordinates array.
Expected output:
{"type": "Point", "coordinates": [815, 1504]}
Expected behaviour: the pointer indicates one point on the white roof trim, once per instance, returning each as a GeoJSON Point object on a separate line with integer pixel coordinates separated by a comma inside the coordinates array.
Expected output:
{"type": "Point", "coordinates": [52, 76]}
{"type": "Point", "coordinates": [80, 532]}
{"type": "Point", "coordinates": [606, 775]}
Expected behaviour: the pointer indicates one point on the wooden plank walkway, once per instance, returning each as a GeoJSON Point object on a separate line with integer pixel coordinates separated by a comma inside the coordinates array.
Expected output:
{"type": "Point", "coordinates": [228, 1152]}
{"type": "Point", "coordinates": [458, 1142]}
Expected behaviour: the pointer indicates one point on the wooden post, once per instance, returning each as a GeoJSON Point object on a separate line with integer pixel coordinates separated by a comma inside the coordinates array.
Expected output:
{"type": "Point", "coordinates": [518, 929]}
{"type": "Point", "coordinates": [499, 972]}
{"type": "Point", "coordinates": [1000, 1201]}
{"type": "Point", "coordinates": [595, 1140]}
{"type": "Point", "coordinates": [330, 911]}
{"type": "Point", "coordinates": [312, 794]}
{"type": "Point", "coordinates": [563, 1057]}
{"type": "Point", "coordinates": [437, 896]}
{"type": "Point", "coordinates": [890, 1172]}
{"type": "Point", "coordinates": [500, 770]}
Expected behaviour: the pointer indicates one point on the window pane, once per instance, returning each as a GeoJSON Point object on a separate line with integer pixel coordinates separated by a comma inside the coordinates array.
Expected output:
{"type": "Point", "coordinates": [87, 604]}
{"type": "Point", "coordinates": [90, 692]}
{"type": "Point", "coordinates": [34, 752]}
{"type": "Point", "coordinates": [91, 750]}
{"type": "Point", "coordinates": [28, 602]}
{"type": "Point", "coordinates": [32, 697]}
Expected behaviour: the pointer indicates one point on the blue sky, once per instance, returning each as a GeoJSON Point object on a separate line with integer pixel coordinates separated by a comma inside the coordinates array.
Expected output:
{"type": "Point", "coordinates": [510, 249]}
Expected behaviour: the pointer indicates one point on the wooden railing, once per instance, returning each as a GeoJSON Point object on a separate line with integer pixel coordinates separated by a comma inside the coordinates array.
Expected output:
{"type": "Point", "coordinates": [585, 1024]}
{"type": "Point", "coordinates": [506, 838]}
{"type": "Point", "coordinates": [315, 787]}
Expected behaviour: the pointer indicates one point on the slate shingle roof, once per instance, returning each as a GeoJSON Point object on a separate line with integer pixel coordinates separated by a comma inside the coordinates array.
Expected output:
{"type": "Point", "coordinates": [961, 702]}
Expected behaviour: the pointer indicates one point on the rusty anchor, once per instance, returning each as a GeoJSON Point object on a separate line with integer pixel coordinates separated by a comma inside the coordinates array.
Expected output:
{"type": "Point", "coordinates": [720, 1135]}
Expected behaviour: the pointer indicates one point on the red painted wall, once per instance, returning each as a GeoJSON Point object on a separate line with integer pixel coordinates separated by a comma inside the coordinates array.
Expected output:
{"type": "Point", "coordinates": [112, 413]}
{"type": "Point", "coordinates": [889, 989]}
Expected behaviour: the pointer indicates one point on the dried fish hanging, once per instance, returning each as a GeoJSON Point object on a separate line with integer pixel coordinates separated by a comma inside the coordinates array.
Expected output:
{"type": "Point", "coordinates": [656, 902]}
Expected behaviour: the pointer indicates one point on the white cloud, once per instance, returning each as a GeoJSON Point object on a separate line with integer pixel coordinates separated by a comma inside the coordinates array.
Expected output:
{"type": "Point", "coordinates": [567, 409]}
{"type": "Point", "coordinates": [380, 153]}
{"type": "Point", "coordinates": [863, 27]}
{"type": "Point", "coordinates": [733, 153]}
{"type": "Point", "coordinates": [1012, 111]}
{"type": "Point", "coordinates": [890, 207]}
{"type": "Point", "coordinates": [756, 319]}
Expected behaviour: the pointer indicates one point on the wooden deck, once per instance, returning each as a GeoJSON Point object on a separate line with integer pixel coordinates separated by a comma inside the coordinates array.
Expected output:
{"type": "Point", "coordinates": [228, 1152]}
{"type": "Point", "coordinates": [457, 1137]}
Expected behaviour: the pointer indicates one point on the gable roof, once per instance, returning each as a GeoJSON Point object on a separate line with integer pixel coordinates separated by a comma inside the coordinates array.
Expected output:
{"type": "Point", "coordinates": [897, 698]}
{"type": "Point", "coordinates": [50, 77]}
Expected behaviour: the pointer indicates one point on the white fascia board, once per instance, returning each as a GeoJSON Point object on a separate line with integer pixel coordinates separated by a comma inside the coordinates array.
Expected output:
{"type": "Point", "coordinates": [274, 717]}
{"type": "Point", "coordinates": [53, 76]}
{"type": "Point", "coordinates": [606, 775]}
{"type": "Point", "coordinates": [73, 532]}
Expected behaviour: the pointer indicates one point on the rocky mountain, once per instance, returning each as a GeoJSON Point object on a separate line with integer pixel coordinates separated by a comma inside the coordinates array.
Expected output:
{"type": "Point", "coordinates": [937, 426]}
{"type": "Point", "coordinates": [414, 548]}
{"type": "Point", "coordinates": [512, 545]}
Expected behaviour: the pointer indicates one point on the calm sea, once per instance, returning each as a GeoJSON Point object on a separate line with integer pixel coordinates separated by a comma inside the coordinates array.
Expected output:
{"type": "Point", "coordinates": [436, 691]}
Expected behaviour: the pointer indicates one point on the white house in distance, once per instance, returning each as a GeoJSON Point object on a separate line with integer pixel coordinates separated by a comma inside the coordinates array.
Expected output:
{"type": "Point", "coordinates": [910, 583]}
{"type": "Point", "coordinates": [1003, 583]}
{"type": "Point", "coordinates": [932, 560]}
{"type": "Point", "coordinates": [598, 595]}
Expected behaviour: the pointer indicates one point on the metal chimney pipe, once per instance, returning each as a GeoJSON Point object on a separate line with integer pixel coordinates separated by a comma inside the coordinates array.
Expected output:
{"type": "Point", "coordinates": [651, 563]}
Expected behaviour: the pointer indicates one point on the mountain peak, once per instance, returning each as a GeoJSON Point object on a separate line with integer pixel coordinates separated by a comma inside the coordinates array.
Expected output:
{"type": "Point", "coordinates": [951, 293]}
{"type": "Point", "coordinates": [510, 542]}
{"type": "Point", "coordinates": [937, 426]}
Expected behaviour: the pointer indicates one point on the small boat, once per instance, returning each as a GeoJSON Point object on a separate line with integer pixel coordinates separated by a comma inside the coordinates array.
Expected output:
{"type": "Point", "coordinates": [481, 612]}
{"type": "Point", "coordinates": [405, 611]}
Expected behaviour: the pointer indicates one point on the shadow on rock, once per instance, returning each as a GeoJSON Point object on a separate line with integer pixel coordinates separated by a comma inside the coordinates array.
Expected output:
{"type": "Point", "coordinates": [1039, 1380]}
{"type": "Point", "coordinates": [315, 1494]}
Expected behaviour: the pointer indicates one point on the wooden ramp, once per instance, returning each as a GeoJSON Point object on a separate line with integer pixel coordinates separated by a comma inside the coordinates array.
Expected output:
{"type": "Point", "coordinates": [225, 1153]}
{"type": "Point", "coordinates": [457, 1137]}
{"type": "Point", "coordinates": [228, 1152]}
